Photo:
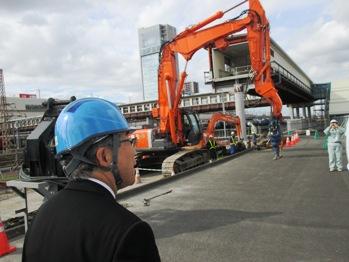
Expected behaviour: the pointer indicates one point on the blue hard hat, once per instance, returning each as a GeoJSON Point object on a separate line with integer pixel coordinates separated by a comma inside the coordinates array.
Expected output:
{"type": "Point", "coordinates": [274, 123]}
{"type": "Point", "coordinates": [84, 119]}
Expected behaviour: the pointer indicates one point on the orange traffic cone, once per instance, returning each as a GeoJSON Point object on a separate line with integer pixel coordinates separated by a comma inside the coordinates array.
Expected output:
{"type": "Point", "coordinates": [288, 142]}
{"type": "Point", "coordinates": [5, 247]}
{"type": "Point", "coordinates": [292, 140]}
{"type": "Point", "coordinates": [137, 177]}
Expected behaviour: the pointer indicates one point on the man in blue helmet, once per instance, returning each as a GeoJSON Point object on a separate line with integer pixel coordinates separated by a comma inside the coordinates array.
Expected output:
{"type": "Point", "coordinates": [83, 222]}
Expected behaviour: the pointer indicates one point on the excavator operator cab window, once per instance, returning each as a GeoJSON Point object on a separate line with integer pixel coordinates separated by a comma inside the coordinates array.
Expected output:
{"type": "Point", "coordinates": [191, 128]}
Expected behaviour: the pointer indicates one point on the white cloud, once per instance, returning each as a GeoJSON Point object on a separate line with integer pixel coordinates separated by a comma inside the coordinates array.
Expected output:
{"type": "Point", "coordinates": [276, 7]}
{"type": "Point", "coordinates": [339, 10]}
{"type": "Point", "coordinates": [324, 50]}
{"type": "Point", "coordinates": [84, 47]}
{"type": "Point", "coordinates": [69, 53]}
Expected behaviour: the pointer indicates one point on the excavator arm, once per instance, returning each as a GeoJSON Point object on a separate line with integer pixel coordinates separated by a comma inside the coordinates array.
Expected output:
{"type": "Point", "coordinates": [220, 117]}
{"type": "Point", "coordinates": [218, 36]}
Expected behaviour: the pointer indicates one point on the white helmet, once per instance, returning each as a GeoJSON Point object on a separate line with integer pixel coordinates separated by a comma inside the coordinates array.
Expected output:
{"type": "Point", "coordinates": [232, 133]}
{"type": "Point", "coordinates": [334, 121]}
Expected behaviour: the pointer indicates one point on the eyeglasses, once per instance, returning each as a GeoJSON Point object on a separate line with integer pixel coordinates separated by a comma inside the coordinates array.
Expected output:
{"type": "Point", "coordinates": [131, 140]}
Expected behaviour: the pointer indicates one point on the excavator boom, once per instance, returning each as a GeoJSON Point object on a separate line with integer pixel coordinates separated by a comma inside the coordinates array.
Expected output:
{"type": "Point", "coordinates": [178, 143]}
{"type": "Point", "coordinates": [218, 36]}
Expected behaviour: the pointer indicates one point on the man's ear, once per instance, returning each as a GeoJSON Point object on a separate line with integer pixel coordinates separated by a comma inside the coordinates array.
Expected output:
{"type": "Point", "coordinates": [104, 156]}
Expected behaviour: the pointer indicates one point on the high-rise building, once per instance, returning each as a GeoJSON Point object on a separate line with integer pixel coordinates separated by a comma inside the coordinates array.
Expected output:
{"type": "Point", "coordinates": [150, 41]}
{"type": "Point", "coordinates": [190, 88]}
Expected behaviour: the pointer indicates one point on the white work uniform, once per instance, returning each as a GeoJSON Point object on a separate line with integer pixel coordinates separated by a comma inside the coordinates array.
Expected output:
{"type": "Point", "coordinates": [334, 145]}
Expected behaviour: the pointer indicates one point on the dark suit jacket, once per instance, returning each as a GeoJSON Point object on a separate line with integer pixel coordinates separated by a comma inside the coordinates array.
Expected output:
{"type": "Point", "coordinates": [83, 222]}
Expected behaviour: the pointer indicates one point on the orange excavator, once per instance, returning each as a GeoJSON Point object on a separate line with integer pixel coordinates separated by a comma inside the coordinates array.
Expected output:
{"type": "Point", "coordinates": [178, 140]}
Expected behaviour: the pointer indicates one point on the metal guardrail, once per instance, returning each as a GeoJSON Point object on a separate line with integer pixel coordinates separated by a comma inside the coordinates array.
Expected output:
{"type": "Point", "coordinates": [21, 123]}
{"type": "Point", "coordinates": [234, 71]}
{"type": "Point", "coordinates": [11, 159]}
{"type": "Point", "coordinates": [187, 101]}
{"type": "Point", "coordinates": [240, 70]}
{"type": "Point", "coordinates": [287, 74]}
{"type": "Point", "coordinates": [243, 70]}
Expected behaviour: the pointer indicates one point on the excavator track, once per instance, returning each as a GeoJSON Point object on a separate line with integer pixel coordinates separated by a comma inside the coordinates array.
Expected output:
{"type": "Point", "coordinates": [184, 160]}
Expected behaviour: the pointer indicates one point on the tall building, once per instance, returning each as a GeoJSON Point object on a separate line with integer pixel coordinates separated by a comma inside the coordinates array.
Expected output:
{"type": "Point", "coordinates": [190, 88]}
{"type": "Point", "coordinates": [150, 41]}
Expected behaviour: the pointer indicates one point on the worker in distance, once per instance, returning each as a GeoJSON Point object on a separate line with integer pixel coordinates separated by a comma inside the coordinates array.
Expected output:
{"type": "Point", "coordinates": [83, 221]}
{"type": "Point", "coordinates": [275, 139]}
{"type": "Point", "coordinates": [334, 134]}
{"type": "Point", "coordinates": [211, 145]}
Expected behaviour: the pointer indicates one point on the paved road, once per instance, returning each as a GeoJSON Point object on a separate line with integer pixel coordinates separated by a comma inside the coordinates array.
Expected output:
{"type": "Point", "coordinates": [253, 209]}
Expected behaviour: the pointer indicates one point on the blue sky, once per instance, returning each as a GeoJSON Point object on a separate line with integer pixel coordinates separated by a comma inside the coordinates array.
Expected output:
{"type": "Point", "coordinates": [89, 47]}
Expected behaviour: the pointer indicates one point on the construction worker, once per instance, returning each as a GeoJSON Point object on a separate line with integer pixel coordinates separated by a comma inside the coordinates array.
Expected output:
{"type": "Point", "coordinates": [83, 221]}
{"type": "Point", "coordinates": [212, 147]}
{"type": "Point", "coordinates": [240, 146]}
{"type": "Point", "coordinates": [233, 143]}
{"type": "Point", "coordinates": [254, 139]}
{"type": "Point", "coordinates": [334, 135]}
{"type": "Point", "coordinates": [275, 139]}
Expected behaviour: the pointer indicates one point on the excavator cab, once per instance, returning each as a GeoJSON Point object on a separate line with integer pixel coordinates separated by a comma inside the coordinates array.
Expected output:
{"type": "Point", "coordinates": [192, 131]}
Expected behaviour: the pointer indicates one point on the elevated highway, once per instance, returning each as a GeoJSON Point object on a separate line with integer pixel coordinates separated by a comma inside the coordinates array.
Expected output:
{"type": "Point", "coordinates": [230, 68]}
{"type": "Point", "coordinates": [200, 103]}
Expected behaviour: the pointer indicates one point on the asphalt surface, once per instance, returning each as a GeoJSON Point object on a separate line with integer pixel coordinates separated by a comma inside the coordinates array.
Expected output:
{"type": "Point", "coordinates": [252, 208]}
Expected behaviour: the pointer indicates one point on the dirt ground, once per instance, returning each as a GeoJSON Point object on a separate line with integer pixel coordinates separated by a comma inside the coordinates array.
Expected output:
{"type": "Point", "coordinates": [6, 193]}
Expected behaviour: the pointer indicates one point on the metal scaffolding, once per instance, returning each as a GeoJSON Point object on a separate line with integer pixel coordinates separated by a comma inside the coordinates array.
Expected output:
{"type": "Point", "coordinates": [4, 117]}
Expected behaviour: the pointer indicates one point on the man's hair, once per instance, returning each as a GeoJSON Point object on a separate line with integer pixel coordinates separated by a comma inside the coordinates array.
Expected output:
{"type": "Point", "coordinates": [84, 170]}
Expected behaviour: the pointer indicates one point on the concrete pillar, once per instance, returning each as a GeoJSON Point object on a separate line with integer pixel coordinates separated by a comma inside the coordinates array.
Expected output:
{"type": "Point", "coordinates": [223, 111]}
{"type": "Point", "coordinates": [309, 112]}
{"type": "Point", "coordinates": [292, 112]}
{"type": "Point", "coordinates": [304, 112]}
{"type": "Point", "coordinates": [297, 112]}
{"type": "Point", "coordinates": [240, 109]}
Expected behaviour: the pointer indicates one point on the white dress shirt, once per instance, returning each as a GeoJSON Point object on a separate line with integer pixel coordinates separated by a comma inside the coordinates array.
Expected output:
{"type": "Point", "coordinates": [102, 184]}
